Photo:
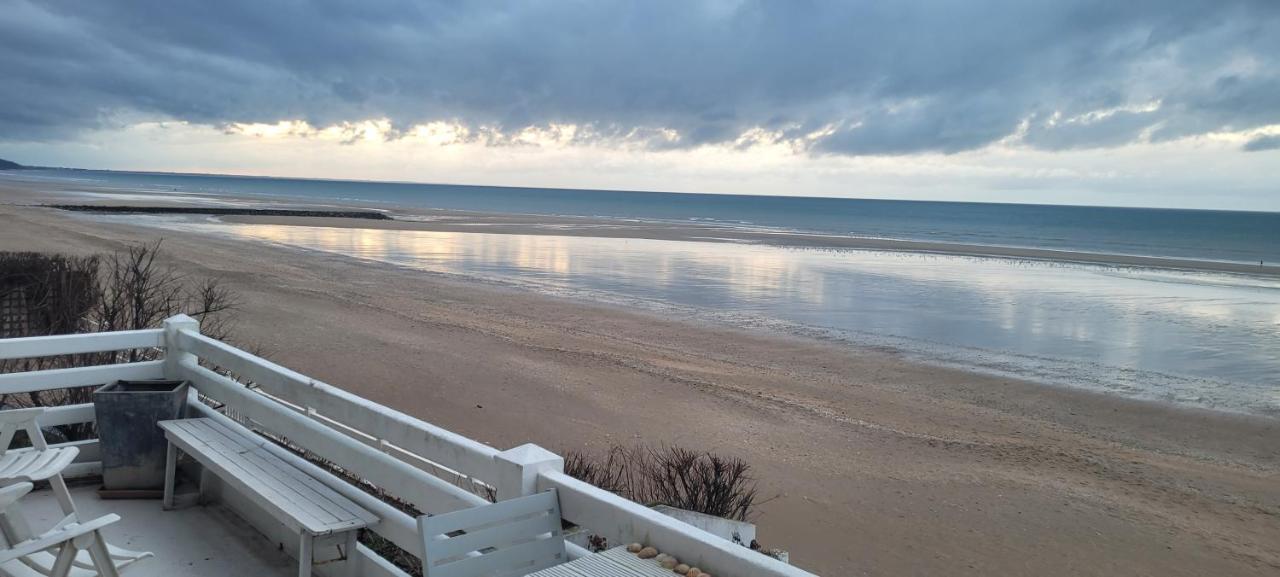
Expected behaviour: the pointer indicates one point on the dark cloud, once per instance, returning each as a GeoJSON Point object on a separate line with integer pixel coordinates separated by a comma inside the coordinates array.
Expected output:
{"type": "Point", "coordinates": [1109, 128]}
{"type": "Point", "coordinates": [1260, 143]}
{"type": "Point", "coordinates": [870, 77]}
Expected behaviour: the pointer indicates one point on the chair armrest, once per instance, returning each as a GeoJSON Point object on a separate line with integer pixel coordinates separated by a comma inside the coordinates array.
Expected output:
{"type": "Point", "coordinates": [56, 537]}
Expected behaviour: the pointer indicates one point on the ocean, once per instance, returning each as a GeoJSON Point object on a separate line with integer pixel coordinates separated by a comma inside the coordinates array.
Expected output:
{"type": "Point", "coordinates": [1230, 236]}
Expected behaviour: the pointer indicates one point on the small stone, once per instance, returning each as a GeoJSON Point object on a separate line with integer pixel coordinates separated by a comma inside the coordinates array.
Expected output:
{"type": "Point", "coordinates": [693, 572]}
{"type": "Point", "coordinates": [648, 553]}
{"type": "Point", "coordinates": [681, 569]}
{"type": "Point", "coordinates": [634, 548]}
{"type": "Point", "coordinates": [669, 563]}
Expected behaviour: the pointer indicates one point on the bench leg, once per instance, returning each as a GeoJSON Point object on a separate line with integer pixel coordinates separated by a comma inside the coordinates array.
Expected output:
{"type": "Point", "coordinates": [353, 538]}
{"type": "Point", "coordinates": [304, 555]}
{"type": "Point", "coordinates": [202, 486]}
{"type": "Point", "coordinates": [170, 474]}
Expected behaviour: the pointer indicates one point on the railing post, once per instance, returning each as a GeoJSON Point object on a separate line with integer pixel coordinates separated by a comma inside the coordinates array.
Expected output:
{"type": "Point", "coordinates": [518, 469]}
{"type": "Point", "coordinates": [173, 354]}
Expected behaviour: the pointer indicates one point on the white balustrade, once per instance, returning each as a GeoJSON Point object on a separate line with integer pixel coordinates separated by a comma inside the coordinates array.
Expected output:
{"type": "Point", "coordinates": [434, 469]}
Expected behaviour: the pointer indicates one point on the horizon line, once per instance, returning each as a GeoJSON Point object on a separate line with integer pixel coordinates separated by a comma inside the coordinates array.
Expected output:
{"type": "Point", "coordinates": [633, 191]}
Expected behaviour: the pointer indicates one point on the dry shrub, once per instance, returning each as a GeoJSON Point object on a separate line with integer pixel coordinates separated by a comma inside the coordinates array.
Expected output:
{"type": "Point", "coordinates": [138, 292]}
{"type": "Point", "coordinates": [45, 294]}
{"type": "Point", "coordinates": [49, 294]}
{"type": "Point", "coordinates": [669, 475]}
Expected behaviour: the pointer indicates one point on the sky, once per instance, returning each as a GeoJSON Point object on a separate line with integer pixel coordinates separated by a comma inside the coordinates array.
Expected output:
{"type": "Point", "coordinates": [1139, 103]}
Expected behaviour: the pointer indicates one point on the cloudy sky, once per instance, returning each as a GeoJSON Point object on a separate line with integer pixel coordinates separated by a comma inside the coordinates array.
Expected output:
{"type": "Point", "coordinates": [1134, 102]}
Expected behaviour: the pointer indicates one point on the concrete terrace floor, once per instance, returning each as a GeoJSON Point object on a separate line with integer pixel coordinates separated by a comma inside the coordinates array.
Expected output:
{"type": "Point", "coordinates": [197, 541]}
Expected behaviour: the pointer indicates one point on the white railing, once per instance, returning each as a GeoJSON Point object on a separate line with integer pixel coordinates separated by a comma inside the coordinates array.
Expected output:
{"type": "Point", "coordinates": [88, 462]}
{"type": "Point", "coordinates": [419, 463]}
{"type": "Point", "coordinates": [380, 426]}
{"type": "Point", "coordinates": [624, 521]}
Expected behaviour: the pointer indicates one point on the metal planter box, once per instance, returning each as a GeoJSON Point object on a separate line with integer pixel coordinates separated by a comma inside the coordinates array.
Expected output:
{"type": "Point", "coordinates": [133, 447]}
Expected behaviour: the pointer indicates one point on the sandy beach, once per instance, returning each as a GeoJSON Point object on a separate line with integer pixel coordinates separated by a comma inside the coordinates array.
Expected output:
{"type": "Point", "coordinates": [879, 465]}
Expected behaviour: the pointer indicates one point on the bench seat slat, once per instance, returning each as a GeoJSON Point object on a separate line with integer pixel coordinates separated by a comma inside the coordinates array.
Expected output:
{"type": "Point", "coordinates": [292, 496]}
{"type": "Point", "coordinates": [290, 483]}
{"type": "Point", "coordinates": [303, 500]}
{"type": "Point", "coordinates": [271, 470]}
{"type": "Point", "coordinates": [232, 469]}
{"type": "Point", "coordinates": [500, 561]}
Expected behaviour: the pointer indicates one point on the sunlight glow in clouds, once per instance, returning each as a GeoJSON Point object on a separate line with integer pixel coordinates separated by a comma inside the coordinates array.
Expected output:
{"type": "Point", "coordinates": [1142, 102]}
{"type": "Point", "coordinates": [1206, 171]}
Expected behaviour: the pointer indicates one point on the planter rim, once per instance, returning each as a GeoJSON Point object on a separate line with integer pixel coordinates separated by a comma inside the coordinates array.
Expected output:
{"type": "Point", "coordinates": [162, 387]}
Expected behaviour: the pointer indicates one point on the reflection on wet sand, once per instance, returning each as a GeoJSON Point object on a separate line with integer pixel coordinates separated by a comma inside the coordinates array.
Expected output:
{"type": "Point", "coordinates": [1202, 337]}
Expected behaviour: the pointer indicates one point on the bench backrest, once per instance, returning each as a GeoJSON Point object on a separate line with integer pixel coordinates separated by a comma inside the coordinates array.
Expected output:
{"type": "Point", "coordinates": [513, 537]}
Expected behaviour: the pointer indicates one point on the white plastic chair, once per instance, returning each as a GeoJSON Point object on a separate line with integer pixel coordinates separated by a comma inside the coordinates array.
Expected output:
{"type": "Point", "coordinates": [18, 469]}
{"type": "Point", "coordinates": [67, 550]}
{"type": "Point", "coordinates": [513, 537]}
{"type": "Point", "coordinates": [40, 463]}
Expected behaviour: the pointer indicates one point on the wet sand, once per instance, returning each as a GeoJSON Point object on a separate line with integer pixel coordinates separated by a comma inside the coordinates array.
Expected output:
{"type": "Point", "coordinates": [880, 466]}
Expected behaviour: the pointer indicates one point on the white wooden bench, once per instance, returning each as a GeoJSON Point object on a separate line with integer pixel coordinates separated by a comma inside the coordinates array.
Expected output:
{"type": "Point", "coordinates": [319, 515]}
{"type": "Point", "coordinates": [616, 562]}
{"type": "Point", "coordinates": [508, 538]}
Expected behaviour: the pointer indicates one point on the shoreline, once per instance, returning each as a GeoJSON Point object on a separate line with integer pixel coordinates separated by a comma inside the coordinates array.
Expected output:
{"type": "Point", "coordinates": [608, 228]}
{"type": "Point", "coordinates": [399, 217]}
{"type": "Point", "coordinates": [881, 465]}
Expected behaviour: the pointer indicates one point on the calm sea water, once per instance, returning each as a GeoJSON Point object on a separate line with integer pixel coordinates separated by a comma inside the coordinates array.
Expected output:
{"type": "Point", "coordinates": [1207, 339]}
{"type": "Point", "coordinates": [1247, 237]}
